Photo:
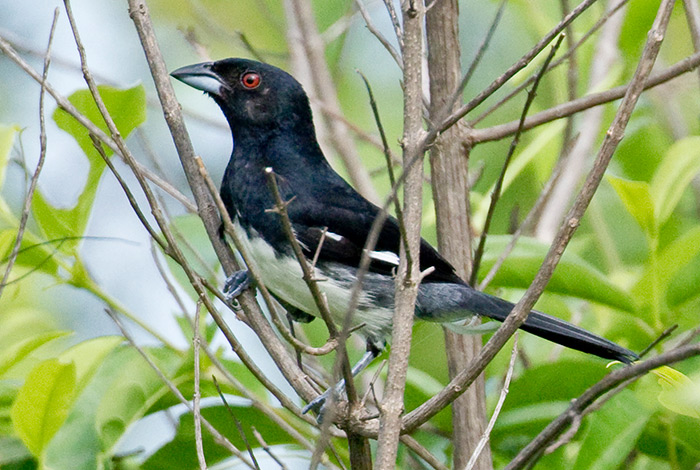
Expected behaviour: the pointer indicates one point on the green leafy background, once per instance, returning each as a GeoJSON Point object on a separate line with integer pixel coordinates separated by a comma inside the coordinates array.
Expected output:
{"type": "Point", "coordinates": [74, 395]}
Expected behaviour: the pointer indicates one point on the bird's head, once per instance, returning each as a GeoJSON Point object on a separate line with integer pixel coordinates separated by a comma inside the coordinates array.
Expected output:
{"type": "Point", "coordinates": [250, 93]}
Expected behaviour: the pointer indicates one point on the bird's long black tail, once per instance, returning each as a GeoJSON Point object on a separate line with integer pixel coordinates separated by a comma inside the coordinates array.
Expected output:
{"type": "Point", "coordinates": [471, 301]}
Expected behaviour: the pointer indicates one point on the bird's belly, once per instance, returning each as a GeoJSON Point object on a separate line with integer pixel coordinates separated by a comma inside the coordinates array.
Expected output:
{"type": "Point", "coordinates": [283, 276]}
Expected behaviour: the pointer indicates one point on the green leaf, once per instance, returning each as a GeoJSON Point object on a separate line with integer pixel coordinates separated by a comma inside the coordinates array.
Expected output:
{"type": "Point", "coordinates": [34, 254]}
{"type": "Point", "coordinates": [198, 250]}
{"type": "Point", "coordinates": [678, 168]}
{"type": "Point", "coordinates": [612, 433]}
{"type": "Point", "coordinates": [636, 196]}
{"type": "Point", "coordinates": [42, 404]}
{"type": "Point", "coordinates": [88, 356]}
{"type": "Point", "coordinates": [543, 137]}
{"type": "Point", "coordinates": [7, 141]}
{"type": "Point", "coordinates": [134, 389]}
{"type": "Point", "coordinates": [671, 260]}
{"type": "Point", "coordinates": [128, 110]}
{"type": "Point", "coordinates": [573, 277]}
{"type": "Point", "coordinates": [14, 354]}
{"type": "Point", "coordinates": [679, 394]}
{"type": "Point", "coordinates": [180, 452]}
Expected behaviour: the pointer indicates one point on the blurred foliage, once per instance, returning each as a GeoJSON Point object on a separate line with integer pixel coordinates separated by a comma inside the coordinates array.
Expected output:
{"type": "Point", "coordinates": [632, 271]}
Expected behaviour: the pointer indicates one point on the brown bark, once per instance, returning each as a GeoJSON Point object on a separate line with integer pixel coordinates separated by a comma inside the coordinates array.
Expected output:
{"type": "Point", "coordinates": [448, 160]}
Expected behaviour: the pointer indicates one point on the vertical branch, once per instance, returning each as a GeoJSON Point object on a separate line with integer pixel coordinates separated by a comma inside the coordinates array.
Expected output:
{"type": "Point", "coordinates": [449, 175]}
{"type": "Point", "coordinates": [207, 208]}
{"type": "Point", "coordinates": [196, 410]}
{"type": "Point", "coordinates": [692, 15]}
{"type": "Point", "coordinates": [566, 231]}
{"type": "Point", "coordinates": [408, 274]}
{"type": "Point", "coordinates": [40, 164]}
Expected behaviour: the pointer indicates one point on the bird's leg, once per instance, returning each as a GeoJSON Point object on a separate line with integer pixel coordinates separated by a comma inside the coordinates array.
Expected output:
{"type": "Point", "coordinates": [318, 403]}
{"type": "Point", "coordinates": [236, 283]}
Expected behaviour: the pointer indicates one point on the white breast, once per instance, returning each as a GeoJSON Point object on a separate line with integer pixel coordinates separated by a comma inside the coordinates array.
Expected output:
{"type": "Point", "coordinates": [283, 276]}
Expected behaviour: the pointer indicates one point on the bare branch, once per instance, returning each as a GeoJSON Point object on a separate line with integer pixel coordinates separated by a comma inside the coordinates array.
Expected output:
{"type": "Point", "coordinates": [380, 37]}
{"type": "Point", "coordinates": [496, 194]}
{"type": "Point", "coordinates": [40, 164]}
{"type": "Point", "coordinates": [207, 210]}
{"type": "Point", "coordinates": [580, 404]}
{"type": "Point", "coordinates": [572, 220]}
{"type": "Point", "coordinates": [571, 107]}
{"type": "Point", "coordinates": [499, 405]}
{"type": "Point", "coordinates": [408, 274]}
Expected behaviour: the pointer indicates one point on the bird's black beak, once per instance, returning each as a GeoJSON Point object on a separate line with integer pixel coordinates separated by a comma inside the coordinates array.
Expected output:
{"type": "Point", "coordinates": [200, 76]}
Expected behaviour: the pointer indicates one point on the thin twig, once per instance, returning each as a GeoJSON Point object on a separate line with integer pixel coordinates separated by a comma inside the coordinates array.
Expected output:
{"type": "Point", "coordinates": [254, 272]}
{"type": "Point", "coordinates": [309, 276]}
{"type": "Point", "coordinates": [218, 437]}
{"type": "Point", "coordinates": [380, 37]}
{"type": "Point", "coordinates": [196, 411]}
{"type": "Point", "coordinates": [579, 405]}
{"type": "Point", "coordinates": [497, 411]}
{"type": "Point", "coordinates": [563, 110]}
{"type": "Point", "coordinates": [241, 432]}
{"type": "Point", "coordinates": [477, 58]}
{"type": "Point", "coordinates": [389, 161]}
{"type": "Point", "coordinates": [692, 15]}
{"type": "Point", "coordinates": [566, 232]}
{"type": "Point", "coordinates": [311, 282]}
{"type": "Point", "coordinates": [68, 107]}
{"type": "Point", "coordinates": [569, 53]}
{"type": "Point", "coordinates": [529, 218]}
{"type": "Point", "coordinates": [391, 10]}
{"type": "Point", "coordinates": [665, 334]}
{"type": "Point", "coordinates": [40, 164]}
{"type": "Point", "coordinates": [496, 194]}
{"type": "Point", "coordinates": [267, 449]}
{"type": "Point", "coordinates": [422, 452]}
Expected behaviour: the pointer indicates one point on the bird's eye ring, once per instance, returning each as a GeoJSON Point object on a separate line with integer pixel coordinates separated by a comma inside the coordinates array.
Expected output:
{"type": "Point", "coordinates": [250, 80]}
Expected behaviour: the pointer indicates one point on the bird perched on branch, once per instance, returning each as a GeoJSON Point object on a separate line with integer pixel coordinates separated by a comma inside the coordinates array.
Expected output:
{"type": "Point", "coordinates": [272, 127]}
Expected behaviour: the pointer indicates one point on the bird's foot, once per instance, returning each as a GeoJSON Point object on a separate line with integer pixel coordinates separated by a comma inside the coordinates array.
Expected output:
{"type": "Point", "coordinates": [236, 283]}
{"type": "Point", "coordinates": [318, 404]}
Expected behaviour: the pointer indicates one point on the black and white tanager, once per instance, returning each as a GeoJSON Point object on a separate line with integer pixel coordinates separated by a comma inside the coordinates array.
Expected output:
{"type": "Point", "coordinates": [272, 127]}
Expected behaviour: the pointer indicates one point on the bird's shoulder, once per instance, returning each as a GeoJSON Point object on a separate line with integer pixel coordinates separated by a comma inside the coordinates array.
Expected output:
{"type": "Point", "coordinates": [341, 224]}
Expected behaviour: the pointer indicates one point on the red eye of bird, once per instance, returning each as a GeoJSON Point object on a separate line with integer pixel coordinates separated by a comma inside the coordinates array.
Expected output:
{"type": "Point", "coordinates": [250, 80]}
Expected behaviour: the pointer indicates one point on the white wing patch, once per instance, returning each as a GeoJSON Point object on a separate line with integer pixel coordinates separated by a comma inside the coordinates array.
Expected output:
{"type": "Point", "coordinates": [386, 256]}
{"type": "Point", "coordinates": [334, 236]}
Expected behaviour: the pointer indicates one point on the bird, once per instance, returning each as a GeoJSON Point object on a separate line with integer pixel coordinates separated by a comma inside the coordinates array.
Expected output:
{"type": "Point", "coordinates": [271, 123]}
